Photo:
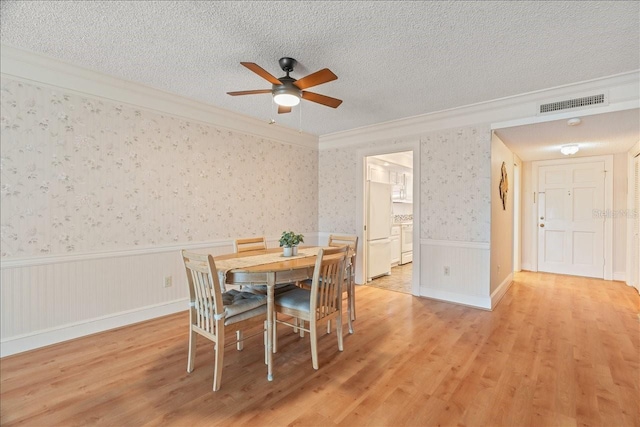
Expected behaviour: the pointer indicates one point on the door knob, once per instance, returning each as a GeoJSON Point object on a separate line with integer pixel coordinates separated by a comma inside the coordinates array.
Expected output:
{"type": "Point", "coordinates": [542, 225]}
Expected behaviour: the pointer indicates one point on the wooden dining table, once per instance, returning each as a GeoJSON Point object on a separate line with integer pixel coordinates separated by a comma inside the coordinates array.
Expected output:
{"type": "Point", "coordinates": [261, 272]}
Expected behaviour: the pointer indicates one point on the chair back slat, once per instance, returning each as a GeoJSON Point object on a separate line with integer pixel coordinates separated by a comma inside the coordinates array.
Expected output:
{"type": "Point", "coordinates": [204, 290]}
{"type": "Point", "coordinates": [352, 243]}
{"type": "Point", "coordinates": [249, 244]}
{"type": "Point", "coordinates": [326, 286]}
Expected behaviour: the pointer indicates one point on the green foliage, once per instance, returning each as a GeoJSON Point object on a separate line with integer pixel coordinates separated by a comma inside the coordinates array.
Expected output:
{"type": "Point", "coordinates": [290, 239]}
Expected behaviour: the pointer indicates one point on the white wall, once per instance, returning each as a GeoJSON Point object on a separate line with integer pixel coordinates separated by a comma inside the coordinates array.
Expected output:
{"type": "Point", "coordinates": [501, 219]}
{"type": "Point", "coordinates": [454, 207]}
{"type": "Point", "coordinates": [100, 193]}
{"type": "Point", "coordinates": [100, 268]}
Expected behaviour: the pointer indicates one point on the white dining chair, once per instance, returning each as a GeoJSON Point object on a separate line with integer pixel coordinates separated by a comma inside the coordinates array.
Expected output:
{"type": "Point", "coordinates": [323, 302]}
{"type": "Point", "coordinates": [350, 272]}
{"type": "Point", "coordinates": [211, 311]}
{"type": "Point", "coordinates": [249, 244]}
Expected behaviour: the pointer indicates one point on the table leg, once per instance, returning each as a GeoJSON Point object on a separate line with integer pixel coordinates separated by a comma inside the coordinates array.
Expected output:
{"type": "Point", "coordinates": [271, 284]}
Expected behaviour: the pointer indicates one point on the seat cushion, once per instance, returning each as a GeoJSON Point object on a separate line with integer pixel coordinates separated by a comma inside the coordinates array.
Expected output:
{"type": "Point", "coordinates": [262, 289]}
{"type": "Point", "coordinates": [236, 302]}
{"type": "Point", "coordinates": [297, 299]}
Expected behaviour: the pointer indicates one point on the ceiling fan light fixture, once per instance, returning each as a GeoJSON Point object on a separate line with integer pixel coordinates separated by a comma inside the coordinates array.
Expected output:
{"type": "Point", "coordinates": [287, 95]}
{"type": "Point", "coordinates": [569, 149]}
{"type": "Point", "coordinates": [286, 99]}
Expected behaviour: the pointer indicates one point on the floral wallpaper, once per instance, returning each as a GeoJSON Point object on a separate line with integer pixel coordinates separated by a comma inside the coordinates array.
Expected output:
{"type": "Point", "coordinates": [455, 185]}
{"type": "Point", "coordinates": [336, 190]}
{"type": "Point", "coordinates": [80, 174]}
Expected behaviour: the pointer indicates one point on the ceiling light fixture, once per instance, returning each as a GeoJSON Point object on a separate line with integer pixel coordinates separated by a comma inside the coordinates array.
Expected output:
{"type": "Point", "coordinates": [574, 122]}
{"type": "Point", "coordinates": [570, 149]}
{"type": "Point", "coordinates": [287, 96]}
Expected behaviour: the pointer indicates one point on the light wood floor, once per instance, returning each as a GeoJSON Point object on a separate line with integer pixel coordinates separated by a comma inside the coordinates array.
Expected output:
{"type": "Point", "coordinates": [557, 350]}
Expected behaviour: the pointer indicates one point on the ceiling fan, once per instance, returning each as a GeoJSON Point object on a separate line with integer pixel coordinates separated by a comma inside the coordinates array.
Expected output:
{"type": "Point", "coordinates": [288, 91]}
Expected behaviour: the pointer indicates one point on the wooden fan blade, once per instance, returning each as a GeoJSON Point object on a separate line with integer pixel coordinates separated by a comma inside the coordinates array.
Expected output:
{"type": "Point", "coordinates": [283, 109]}
{"type": "Point", "coordinates": [323, 76]}
{"type": "Point", "coordinates": [249, 92]}
{"type": "Point", "coordinates": [261, 72]}
{"type": "Point", "coordinates": [321, 99]}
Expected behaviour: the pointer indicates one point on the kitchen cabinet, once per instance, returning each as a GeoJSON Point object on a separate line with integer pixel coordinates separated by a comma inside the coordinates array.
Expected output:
{"type": "Point", "coordinates": [377, 173]}
{"type": "Point", "coordinates": [402, 190]}
{"type": "Point", "coordinates": [396, 249]}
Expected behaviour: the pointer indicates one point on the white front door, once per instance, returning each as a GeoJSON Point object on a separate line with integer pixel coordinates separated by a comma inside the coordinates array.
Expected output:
{"type": "Point", "coordinates": [571, 215]}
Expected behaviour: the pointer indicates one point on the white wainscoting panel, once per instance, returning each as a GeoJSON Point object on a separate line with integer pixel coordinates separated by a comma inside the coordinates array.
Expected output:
{"type": "Point", "coordinates": [468, 280]}
{"type": "Point", "coordinates": [47, 300]}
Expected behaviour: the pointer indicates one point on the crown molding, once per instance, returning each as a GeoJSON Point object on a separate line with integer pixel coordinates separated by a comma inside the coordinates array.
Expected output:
{"type": "Point", "coordinates": [40, 69]}
{"type": "Point", "coordinates": [623, 89]}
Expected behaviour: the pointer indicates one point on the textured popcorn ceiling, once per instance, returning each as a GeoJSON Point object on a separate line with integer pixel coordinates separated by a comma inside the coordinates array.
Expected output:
{"type": "Point", "coordinates": [393, 59]}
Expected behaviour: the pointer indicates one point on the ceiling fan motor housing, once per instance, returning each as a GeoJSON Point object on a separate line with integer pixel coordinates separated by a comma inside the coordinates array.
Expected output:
{"type": "Point", "coordinates": [287, 64]}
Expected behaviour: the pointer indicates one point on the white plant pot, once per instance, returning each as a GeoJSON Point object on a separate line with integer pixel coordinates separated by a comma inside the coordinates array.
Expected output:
{"type": "Point", "coordinates": [295, 250]}
{"type": "Point", "coordinates": [287, 251]}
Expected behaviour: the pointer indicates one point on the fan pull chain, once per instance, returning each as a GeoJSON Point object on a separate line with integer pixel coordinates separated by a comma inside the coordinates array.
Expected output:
{"type": "Point", "coordinates": [273, 106]}
{"type": "Point", "coordinates": [300, 120]}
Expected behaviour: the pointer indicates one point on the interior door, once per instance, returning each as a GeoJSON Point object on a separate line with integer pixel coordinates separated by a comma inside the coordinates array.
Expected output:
{"type": "Point", "coordinates": [571, 219]}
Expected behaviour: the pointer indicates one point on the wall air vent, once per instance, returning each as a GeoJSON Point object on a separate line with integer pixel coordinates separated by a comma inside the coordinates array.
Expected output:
{"type": "Point", "coordinates": [570, 104]}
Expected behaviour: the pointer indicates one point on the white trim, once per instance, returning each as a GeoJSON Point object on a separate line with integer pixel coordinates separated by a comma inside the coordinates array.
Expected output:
{"type": "Point", "coordinates": [456, 244]}
{"type": "Point", "coordinates": [631, 155]}
{"type": "Point", "coordinates": [619, 276]}
{"type": "Point", "coordinates": [146, 250]}
{"type": "Point", "coordinates": [21, 343]}
{"type": "Point", "coordinates": [54, 259]}
{"type": "Point", "coordinates": [623, 94]}
{"type": "Point", "coordinates": [37, 68]}
{"type": "Point", "coordinates": [517, 213]}
{"type": "Point", "coordinates": [622, 106]}
{"type": "Point", "coordinates": [452, 297]}
{"type": "Point", "coordinates": [608, 203]}
{"type": "Point", "coordinates": [323, 236]}
{"type": "Point", "coordinates": [526, 266]}
{"type": "Point", "coordinates": [497, 295]}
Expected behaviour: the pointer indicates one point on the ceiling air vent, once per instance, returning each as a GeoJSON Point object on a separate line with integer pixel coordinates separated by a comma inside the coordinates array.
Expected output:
{"type": "Point", "coordinates": [569, 104]}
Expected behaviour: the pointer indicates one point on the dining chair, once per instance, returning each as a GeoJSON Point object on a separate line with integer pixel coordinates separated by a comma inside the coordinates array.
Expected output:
{"type": "Point", "coordinates": [351, 242]}
{"type": "Point", "coordinates": [211, 311]}
{"type": "Point", "coordinates": [323, 302]}
{"type": "Point", "coordinates": [249, 244]}
{"type": "Point", "coordinates": [350, 272]}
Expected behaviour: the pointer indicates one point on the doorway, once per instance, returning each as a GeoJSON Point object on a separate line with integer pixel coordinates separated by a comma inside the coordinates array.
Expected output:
{"type": "Point", "coordinates": [395, 168]}
{"type": "Point", "coordinates": [572, 236]}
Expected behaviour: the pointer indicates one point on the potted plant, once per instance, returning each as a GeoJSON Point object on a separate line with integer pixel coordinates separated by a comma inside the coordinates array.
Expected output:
{"type": "Point", "coordinates": [289, 242]}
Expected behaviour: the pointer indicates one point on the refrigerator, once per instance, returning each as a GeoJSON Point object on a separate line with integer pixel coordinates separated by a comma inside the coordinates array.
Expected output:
{"type": "Point", "coordinates": [378, 229]}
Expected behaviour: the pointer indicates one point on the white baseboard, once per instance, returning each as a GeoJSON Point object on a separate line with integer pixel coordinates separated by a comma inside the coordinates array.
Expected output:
{"type": "Point", "coordinates": [497, 295]}
{"type": "Point", "coordinates": [452, 297]}
{"type": "Point", "coordinates": [46, 337]}
{"type": "Point", "coordinates": [620, 276]}
{"type": "Point", "coordinates": [526, 267]}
